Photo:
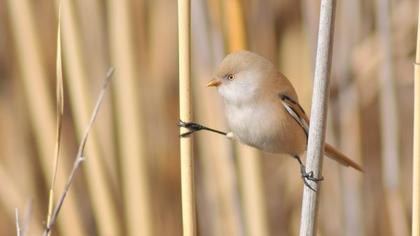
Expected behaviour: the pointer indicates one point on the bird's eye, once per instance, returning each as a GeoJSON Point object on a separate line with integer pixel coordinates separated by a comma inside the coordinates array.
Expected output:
{"type": "Point", "coordinates": [230, 76]}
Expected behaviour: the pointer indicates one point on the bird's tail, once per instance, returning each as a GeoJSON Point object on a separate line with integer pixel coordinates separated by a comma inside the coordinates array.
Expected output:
{"type": "Point", "coordinates": [340, 157]}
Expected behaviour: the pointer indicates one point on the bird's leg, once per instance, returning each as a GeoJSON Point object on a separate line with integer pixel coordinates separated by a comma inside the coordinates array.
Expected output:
{"type": "Point", "coordinates": [194, 127]}
{"type": "Point", "coordinates": [307, 175]}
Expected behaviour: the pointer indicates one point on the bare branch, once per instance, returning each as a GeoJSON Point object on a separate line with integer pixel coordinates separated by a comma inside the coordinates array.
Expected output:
{"type": "Point", "coordinates": [79, 158]}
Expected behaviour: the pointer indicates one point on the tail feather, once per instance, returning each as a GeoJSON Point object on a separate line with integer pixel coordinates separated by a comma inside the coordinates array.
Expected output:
{"type": "Point", "coordinates": [340, 157]}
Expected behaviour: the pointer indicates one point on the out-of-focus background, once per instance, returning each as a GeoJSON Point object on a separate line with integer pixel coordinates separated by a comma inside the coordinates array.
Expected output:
{"type": "Point", "coordinates": [130, 181]}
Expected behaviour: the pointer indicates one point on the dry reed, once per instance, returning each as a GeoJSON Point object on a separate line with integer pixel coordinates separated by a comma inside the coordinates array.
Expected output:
{"type": "Point", "coordinates": [59, 115]}
{"type": "Point", "coordinates": [130, 122]}
{"type": "Point", "coordinates": [217, 187]}
{"type": "Point", "coordinates": [416, 139]}
{"type": "Point", "coordinates": [185, 114]}
{"type": "Point", "coordinates": [79, 157]}
{"type": "Point", "coordinates": [348, 109]}
{"type": "Point", "coordinates": [250, 180]}
{"type": "Point", "coordinates": [34, 80]}
{"type": "Point", "coordinates": [99, 191]}
{"type": "Point", "coordinates": [390, 122]}
{"type": "Point", "coordinates": [318, 115]}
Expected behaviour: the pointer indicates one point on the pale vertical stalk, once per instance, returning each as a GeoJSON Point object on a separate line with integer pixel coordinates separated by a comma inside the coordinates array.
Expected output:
{"type": "Point", "coordinates": [135, 184]}
{"type": "Point", "coordinates": [416, 143]}
{"type": "Point", "coordinates": [310, 16]}
{"type": "Point", "coordinates": [218, 190]}
{"type": "Point", "coordinates": [104, 208]}
{"type": "Point", "coordinates": [59, 114]}
{"type": "Point", "coordinates": [389, 124]}
{"type": "Point", "coordinates": [92, 31]}
{"type": "Point", "coordinates": [185, 114]}
{"type": "Point", "coordinates": [318, 115]}
{"type": "Point", "coordinates": [34, 79]}
{"type": "Point", "coordinates": [348, 35]}
{"type": "Point", "coordinates": [252, 191]}
{"type": "Point", "coordinates": [248, 158]}
{"type": "Point", "coordinates": [80, 157]}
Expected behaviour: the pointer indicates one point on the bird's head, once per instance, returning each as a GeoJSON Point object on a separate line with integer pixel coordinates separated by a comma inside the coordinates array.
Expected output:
{"type": "Point", "coordinates": [241, 75]}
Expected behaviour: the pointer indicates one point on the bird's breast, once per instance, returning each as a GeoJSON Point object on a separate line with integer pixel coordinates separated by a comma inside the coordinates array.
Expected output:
{"type": "Point", "coordinates": [266, 127]}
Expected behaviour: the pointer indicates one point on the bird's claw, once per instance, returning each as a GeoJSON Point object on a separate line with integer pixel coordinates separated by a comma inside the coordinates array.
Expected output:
{"type": "Point", "coordinates": [309, 176]}
{"type": "Point", "coordinates": [191, 126]}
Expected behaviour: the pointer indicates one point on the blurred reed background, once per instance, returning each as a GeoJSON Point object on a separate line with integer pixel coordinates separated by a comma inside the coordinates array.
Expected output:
{"type": "Point", "coordinates": [130, 183]}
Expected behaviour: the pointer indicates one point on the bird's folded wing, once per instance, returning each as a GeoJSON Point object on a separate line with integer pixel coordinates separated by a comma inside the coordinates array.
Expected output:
{"type": "Point", "coordinates": [297, 112]}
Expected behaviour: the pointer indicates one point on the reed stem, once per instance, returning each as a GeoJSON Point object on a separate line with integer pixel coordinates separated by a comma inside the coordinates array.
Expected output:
{"type": "Point", "coordinates": [185, 113]}
{"type": "Point", "coordinates": [416, 140]}
{"type": "Point", "coordinates": [318, 115]}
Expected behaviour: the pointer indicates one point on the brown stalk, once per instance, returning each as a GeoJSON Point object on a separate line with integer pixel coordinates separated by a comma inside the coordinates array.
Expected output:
{"type": "Point", "coordinates": [59, 114]}
{"type": "Point", "coordinates": [34, 80]}
{"type": "Point", "coordinates": [104, 208]}
{"type": "Point", "coordinates": [416, 139]}
{"type": "Point", "coordinates": [80, 155]}
{"type": "Point", "coordinates": [130, 124]}
{"type": "Point", "coordinates": [250, 178]}
{"type": "Point", "coordinates": [185, 114]}
{"type": "Point", "coordinates": [217, 187]}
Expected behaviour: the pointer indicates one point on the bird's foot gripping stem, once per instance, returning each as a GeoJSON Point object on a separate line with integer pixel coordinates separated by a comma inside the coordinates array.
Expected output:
{"type": "Point", "coordinates": [194, 127]}
{"type": "Point", "coordinates": [191, 126]}
{"type": "Point", "coordinates": [307, 176]}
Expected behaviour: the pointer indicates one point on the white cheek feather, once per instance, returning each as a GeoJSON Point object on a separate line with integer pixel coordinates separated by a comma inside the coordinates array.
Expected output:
{"type": "Point", "coordinates": [240, 90]}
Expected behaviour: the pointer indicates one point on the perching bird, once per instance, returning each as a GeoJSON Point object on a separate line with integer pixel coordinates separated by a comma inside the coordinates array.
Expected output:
{"type": "Point", "coordinates": [262, 109]}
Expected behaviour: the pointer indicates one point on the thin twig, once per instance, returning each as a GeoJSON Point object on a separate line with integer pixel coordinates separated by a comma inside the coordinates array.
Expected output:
{"type": "Point", "coordinates": [79, 158]}
{"type": "Point", "coordinates": [26, 218]}
{"type": "Point", "coordinates": [318, 115]}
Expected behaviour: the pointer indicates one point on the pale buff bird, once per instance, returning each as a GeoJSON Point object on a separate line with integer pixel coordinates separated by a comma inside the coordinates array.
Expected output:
{"type": "Point", "coordinates": [262, 109]}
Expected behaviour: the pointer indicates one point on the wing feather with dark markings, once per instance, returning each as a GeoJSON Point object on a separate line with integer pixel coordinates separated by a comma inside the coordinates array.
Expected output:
{"type": "Point", "coordinates": [298, 114]}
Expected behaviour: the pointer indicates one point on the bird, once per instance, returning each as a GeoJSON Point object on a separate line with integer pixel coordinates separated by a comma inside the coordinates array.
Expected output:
{"type": "Point", "coordinates": [263, 111]}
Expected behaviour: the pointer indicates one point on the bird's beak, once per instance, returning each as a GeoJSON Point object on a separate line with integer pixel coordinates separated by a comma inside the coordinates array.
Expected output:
{"type": "Point", "coordinates": [214, 83]}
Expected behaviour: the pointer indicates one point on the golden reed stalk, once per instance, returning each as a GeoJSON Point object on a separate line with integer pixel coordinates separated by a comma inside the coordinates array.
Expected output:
{"type": "Point", "coordinates": [185, 114]}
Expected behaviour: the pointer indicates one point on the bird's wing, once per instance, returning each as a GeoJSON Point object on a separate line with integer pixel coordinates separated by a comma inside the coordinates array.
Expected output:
{"type": "Point", "coordinates": [297, 112]}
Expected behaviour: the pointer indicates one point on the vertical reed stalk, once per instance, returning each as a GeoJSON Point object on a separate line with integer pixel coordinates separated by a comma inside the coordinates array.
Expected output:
{"type": "Point", "coordinates": [348, 34]}
{"type": "Point", "coordinates": [416, 138]}
{"type": "Point", "coordinates": [38, 97]}
{"type": "Point", "coordinates": [103, 206]}
{"type": "Point", "coordinates": [133, 154]}
{"type": "Point", "coordinates": [80, 157]}
{"type": "Point", "coordinates": [219, 203]}
{"type": "Point", "coordinates": [318, 115]}
{"type": "Point", "coordinates": [389, 123]}
{"type": "Point", "coordinates": [248, 161]}
{"type": "Point", "coordinates": [59, 114]}
{"type": "Point", "coordinates": [185, 114]}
